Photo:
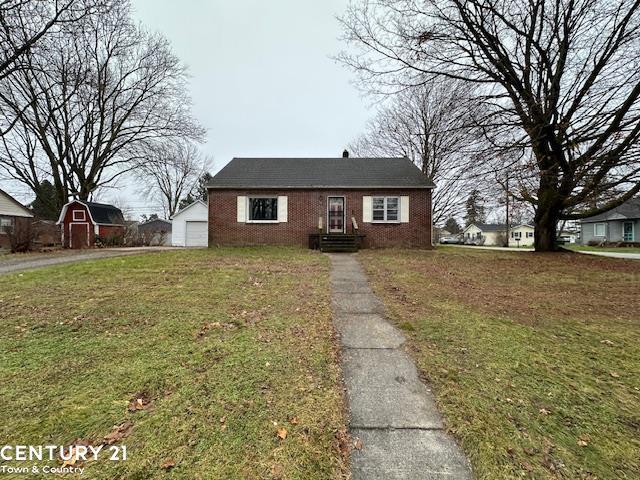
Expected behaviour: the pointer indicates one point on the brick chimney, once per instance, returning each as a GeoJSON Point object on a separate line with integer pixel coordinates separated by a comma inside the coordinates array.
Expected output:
{"type": "Point", "coordinates": [345, 154]}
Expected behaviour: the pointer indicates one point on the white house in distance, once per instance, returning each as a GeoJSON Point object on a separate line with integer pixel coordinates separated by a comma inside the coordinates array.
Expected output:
{"type": "Point", "coordinates": [494, 234]}
{"type": "Point", "coordinates": [489, 234]}
{"type": "Point", "coordinates": [190, 226]}
{"type": "Point", "coordinates": [521, 236]}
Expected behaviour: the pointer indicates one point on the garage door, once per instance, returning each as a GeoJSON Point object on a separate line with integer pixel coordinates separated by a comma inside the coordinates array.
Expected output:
{"type": "Point", "coordinates": [196, 234]}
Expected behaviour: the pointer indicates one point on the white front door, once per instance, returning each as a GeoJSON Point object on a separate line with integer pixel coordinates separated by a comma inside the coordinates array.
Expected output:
{"type": "Point", "coordinates": [196, 234]}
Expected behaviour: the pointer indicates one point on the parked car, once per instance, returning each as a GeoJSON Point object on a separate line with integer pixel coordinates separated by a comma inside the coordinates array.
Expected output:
{"type": "Point", "coordinates": [451, 239]}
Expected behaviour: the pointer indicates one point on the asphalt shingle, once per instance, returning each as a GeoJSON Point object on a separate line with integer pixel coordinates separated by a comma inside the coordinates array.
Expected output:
{"type": "Point", "coordinates": [319, 173]}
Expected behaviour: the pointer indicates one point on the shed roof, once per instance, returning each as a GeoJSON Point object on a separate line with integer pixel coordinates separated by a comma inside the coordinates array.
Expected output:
{"type": "Point", "coordinates": [100, 213]}
{"type": "Point", "coordinates": [320, 173]}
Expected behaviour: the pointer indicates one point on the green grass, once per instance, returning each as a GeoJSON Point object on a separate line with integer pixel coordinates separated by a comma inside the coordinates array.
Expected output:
{"type": "Point", "coordinates": [534, 359]}
{"type": "Point", "coordinates": [224, 346]}
{"type": "Point", "coordinates": [573, 246]}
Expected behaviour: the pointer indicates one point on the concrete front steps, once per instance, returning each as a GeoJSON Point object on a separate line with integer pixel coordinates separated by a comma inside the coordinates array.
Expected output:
{"type": "Point", "coordinates": [338, 242]}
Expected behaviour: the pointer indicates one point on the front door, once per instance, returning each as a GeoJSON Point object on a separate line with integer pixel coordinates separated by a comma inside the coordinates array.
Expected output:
{"type": "Point", "coordinates": [627, 231]}
{"type": "Point", "coordinates": [335, 214]}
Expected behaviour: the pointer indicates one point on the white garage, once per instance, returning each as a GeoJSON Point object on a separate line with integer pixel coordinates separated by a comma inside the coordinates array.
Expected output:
{"type": "Point", "coordinates": [190, 226]}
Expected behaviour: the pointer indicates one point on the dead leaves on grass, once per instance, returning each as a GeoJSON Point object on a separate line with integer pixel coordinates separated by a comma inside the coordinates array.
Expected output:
{"type": "Point", "coordinates": [213, 326]}
{"type": "Point", "coordinates": [167, 464]}
{"type": "Point", "coordinates": [140, 401]}
{"type": "Point", "coordinates": [119, 432]}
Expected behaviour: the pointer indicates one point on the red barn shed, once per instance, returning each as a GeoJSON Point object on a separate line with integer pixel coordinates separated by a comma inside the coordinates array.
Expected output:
{"type": "Point", "coordinates": [85, 222]}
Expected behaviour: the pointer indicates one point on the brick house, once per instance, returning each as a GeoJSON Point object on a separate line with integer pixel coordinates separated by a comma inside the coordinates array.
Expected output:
{"type": "Point", "coordinates": [372, 202]}
{"type": "Point", "coordinates": [82, 223]}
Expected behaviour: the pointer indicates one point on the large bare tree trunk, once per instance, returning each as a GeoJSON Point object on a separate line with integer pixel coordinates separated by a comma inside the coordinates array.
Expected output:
{"type": "Point", "coordinates": [547, 216]}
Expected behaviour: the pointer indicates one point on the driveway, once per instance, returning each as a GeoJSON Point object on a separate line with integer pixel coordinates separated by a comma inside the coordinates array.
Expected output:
{"type": "Point", "coordinates": [19, 262]}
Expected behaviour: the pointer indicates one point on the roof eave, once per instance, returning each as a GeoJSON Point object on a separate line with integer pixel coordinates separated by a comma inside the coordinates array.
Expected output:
{"type": "Point", "coordinates": [323, 187]}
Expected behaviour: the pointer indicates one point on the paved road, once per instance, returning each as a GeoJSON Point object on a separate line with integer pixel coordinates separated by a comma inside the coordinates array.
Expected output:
{"type": "Point", "coordinates": [391, 411]}
{"type": "Point", "coordinates": [30, 261]}
{"type": "Point", "coordinates": [480, 247]}
{"type": "Point", "coordinates": [628, 256]}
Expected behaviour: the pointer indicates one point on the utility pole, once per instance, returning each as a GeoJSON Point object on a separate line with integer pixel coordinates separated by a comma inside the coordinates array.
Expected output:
{"type": "Point", "coordinates": [506, 189]}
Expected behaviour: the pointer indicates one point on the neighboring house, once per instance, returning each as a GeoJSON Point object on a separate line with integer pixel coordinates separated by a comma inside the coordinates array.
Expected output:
{"type": "Point", "coordinates": [84, 223]}
{"type": "Point", "coordinates": [12, 215]}
{"type": "Point", "coordinates": [521, 236]}
{"type": "Point", "coordinates": [288, 201]}
{"type": "Point", "coordinates": [568, 236]}
{"type": "Point", "coordinates": [621, 224]}
{"type": "Point", "coordinates": [189, 226]}
{"type": "Point", "coordinates": [490, 234]}
{"type": "Point", "coordinates": [155, 232]}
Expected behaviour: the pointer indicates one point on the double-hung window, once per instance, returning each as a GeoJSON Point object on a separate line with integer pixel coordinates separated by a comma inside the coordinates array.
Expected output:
{"type": "Point", "coordinates": [5, 222]}
{"type": "Point", "coordinates": [386, 209]}
{"type": "Point", "coordinates": [263, 209]}
{"type": "Point", "coordinates": [598, 229]}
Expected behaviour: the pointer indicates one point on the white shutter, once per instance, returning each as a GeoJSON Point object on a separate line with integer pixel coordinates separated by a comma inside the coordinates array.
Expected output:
{"type": "Point", "coordinates": [242, 209]}
{"type": "Point", "coordinates": [404, 209]}
{"type": "Point", "coordinates": [367, 210]}
{"type": "Point", "coordinates": [282, 209]}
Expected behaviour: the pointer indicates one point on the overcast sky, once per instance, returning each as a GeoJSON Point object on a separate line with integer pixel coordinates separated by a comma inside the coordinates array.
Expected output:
{"type": "Point", "coordinates": [263, 82]}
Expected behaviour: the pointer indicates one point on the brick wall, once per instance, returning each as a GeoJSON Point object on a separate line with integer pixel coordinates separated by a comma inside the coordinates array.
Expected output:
{"type": "Point", "coordinates": [304, 209]}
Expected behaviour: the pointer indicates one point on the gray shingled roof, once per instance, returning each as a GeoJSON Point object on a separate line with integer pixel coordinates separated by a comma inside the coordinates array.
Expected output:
{"type": "Point", "coordinates": [105, 214]}
{"type": "Point", "coordinates": [319, 173]}
{"type": "Point", "coordinates": [630, 209]}
{"type": "Point", "coordinates": [491, 227]}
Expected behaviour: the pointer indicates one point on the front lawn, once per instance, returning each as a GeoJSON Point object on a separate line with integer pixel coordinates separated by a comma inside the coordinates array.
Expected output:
{"type": "Point", "coordinates": [534, 358]}
{"type": "Point", "coordinates": [204, 364]}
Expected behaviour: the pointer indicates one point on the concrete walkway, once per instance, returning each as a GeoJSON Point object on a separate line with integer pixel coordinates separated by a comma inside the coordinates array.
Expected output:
{"type": "Point", "coordinates": [391, 411]}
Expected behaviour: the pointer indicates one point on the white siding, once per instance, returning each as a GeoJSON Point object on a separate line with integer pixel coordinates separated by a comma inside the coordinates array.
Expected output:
{"type": "Point", "coordinates": [10, 209]}
{"type": "Point", "coordinates": [367, 212]}
{"type": "Point", "coordinates": [196, 212]}
{"type": "Point", "coordinates": [524, 241]}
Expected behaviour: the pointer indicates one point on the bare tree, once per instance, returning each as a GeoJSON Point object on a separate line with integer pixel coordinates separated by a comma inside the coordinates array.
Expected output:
{"type": "Point", "coordinates": [431, 125]}
{"type": "Point", "coordinates": [23, 23]}
{"type": "Point", "coordinates": [559, 82]}
{"type": "Point", "coordinates": [99, 96]}
{"type": "Point", "coordinates": [172, 173]}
